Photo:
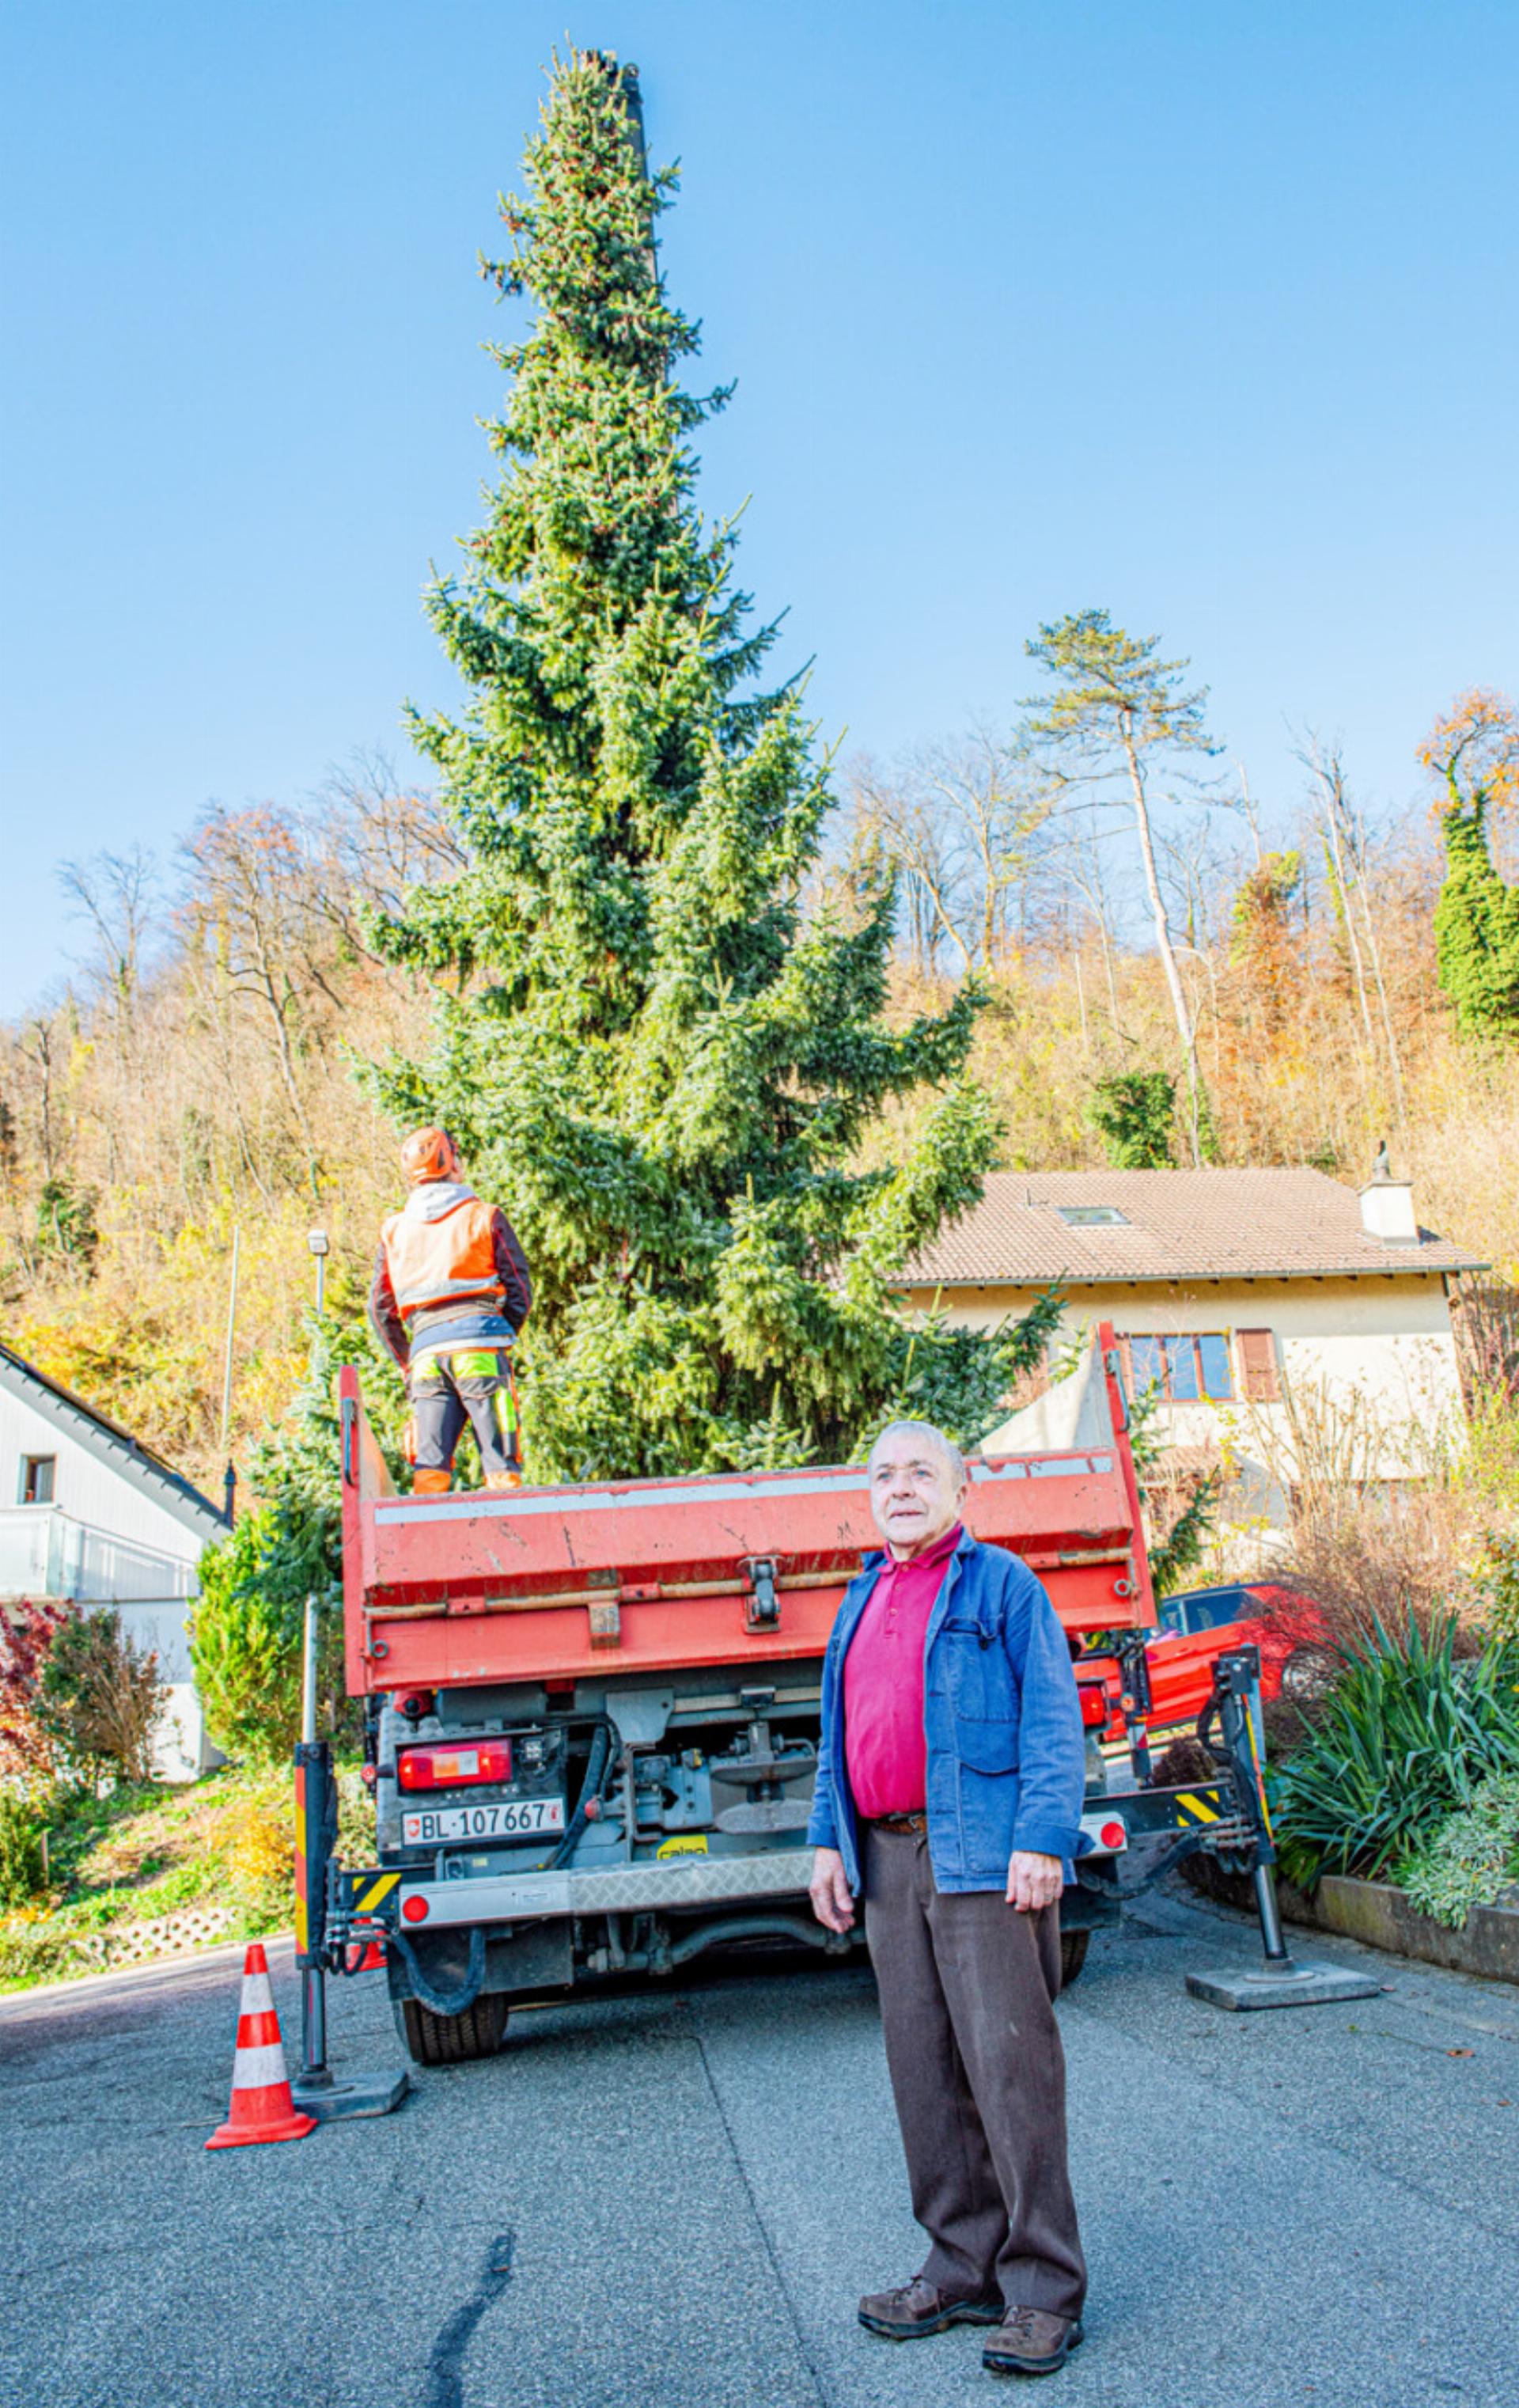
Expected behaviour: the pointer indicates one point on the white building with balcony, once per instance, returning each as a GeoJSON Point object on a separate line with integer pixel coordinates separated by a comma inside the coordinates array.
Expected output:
{"type": "Point", "coordinates": [89, 1516]}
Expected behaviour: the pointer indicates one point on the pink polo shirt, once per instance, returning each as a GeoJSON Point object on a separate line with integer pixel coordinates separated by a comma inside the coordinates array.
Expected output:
{"type": "Point", "coordinates": [884, 1746]}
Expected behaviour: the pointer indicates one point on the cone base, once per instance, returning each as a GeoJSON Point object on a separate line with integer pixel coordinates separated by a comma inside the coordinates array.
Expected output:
{"type": "Point", "coordinates": [294, 2126]}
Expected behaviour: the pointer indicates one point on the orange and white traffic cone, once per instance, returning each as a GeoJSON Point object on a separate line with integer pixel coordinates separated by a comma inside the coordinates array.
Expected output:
{"type": "Point", "coordinates": [261, 2107]}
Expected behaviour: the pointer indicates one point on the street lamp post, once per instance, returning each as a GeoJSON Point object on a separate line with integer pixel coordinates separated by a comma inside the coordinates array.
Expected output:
{"type": "Point", "coordinates": [321, 1246]}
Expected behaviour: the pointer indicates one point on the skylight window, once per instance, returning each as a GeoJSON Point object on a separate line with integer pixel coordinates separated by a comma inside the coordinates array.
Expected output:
{"type": "Point", "coordinates": [1091, 1216]}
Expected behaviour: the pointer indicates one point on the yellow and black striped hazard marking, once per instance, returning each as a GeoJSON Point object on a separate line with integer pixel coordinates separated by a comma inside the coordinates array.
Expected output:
{"type": "Point", "coordinates": [368, 1892]}
{"type": "Point", "coordinates": [1198, 1806]}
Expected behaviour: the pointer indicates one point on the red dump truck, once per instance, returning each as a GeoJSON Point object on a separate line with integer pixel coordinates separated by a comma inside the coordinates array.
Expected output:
{"type": "Point", "coordinates": [592, 1711]}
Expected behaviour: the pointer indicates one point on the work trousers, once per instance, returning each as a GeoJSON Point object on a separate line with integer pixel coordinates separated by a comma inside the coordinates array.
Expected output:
{"type": "Point", "coordinates": [967, 1988]}
{"type": "Point", "coordinates": [446, 1390]}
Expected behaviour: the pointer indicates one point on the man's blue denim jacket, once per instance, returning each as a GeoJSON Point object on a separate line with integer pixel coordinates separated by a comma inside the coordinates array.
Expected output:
{"type": "Point", "coordinates": [1007, 1755]}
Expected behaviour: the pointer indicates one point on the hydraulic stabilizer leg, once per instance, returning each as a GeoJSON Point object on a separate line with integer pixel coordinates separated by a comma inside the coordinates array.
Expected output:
{"type": "Point", "coordinates": [316, 2088]}
{"type": "Point", "coordinates": [1280, 1982]}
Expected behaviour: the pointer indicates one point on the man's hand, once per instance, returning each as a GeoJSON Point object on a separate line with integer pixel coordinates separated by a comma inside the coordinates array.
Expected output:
{"type": "Point", "coordinates": [829, 1890]}
{"type": "Point", "coordinates": [1033, 1881]}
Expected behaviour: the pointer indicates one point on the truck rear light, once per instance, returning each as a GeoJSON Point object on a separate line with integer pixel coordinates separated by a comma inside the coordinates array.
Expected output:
{"type": "Point", "coordinates": [1114, 1834]}
{"type": "Point", "coordinates": [413, 1910]}
{"type": "Point", "coordinates": [1093, 1698]}
{"type": "Point", "coordinates": [454, 1768]}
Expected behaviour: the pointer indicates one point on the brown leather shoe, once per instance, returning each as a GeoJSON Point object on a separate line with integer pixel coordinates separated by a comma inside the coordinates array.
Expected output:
{"type": "Point", "coordinates": [916, 2309]}
{"type": "Point", "coordinates": [1030, 2341]}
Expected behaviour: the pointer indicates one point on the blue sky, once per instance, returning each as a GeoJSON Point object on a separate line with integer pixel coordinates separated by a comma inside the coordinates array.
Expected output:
{"type": "Point", "coordinates": [1203, 314]}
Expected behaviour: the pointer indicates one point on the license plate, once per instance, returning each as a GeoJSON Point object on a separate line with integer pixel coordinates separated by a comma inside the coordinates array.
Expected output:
{"type": "Point", "coordinates": [512, 1818]}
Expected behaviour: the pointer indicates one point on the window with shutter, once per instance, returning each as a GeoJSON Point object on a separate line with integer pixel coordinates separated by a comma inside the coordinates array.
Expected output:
{"type": "Point", "coordinates": [1257, 1364]}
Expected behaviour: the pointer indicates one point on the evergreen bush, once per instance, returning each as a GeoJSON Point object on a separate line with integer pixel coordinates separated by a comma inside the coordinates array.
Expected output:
{"type": "Point", "coordinates": [1134, 1112]}
{"type": "Point", "coordinates": [245, 1638]}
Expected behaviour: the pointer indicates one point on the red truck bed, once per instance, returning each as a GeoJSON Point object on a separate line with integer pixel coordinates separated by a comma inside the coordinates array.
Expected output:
{"type": "Point", "coordinates": [644, 1576]}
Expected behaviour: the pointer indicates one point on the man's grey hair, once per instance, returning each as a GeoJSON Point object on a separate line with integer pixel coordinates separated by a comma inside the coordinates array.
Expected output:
{"type": "Point", "coordinates": [927, 1435]}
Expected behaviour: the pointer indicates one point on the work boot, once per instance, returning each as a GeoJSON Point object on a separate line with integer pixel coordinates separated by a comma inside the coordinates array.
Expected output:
{"type": "Point", "coordinates": [503, 1480]}
{"type": "Point", "coordinates": [1031, 2340]}
{"type": "Point", "coordinates": [916, 2309]}
{"type": "Point", "coordinates": [430, 1484]}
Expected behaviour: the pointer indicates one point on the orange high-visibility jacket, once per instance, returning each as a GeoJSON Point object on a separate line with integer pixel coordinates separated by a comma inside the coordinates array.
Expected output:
{"type": "Point", "coordinates": [450, 1260]}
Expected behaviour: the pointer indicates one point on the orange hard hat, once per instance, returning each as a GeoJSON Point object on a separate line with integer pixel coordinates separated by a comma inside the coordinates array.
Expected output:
{"type": "Point", "coordinates": [429, 1154]}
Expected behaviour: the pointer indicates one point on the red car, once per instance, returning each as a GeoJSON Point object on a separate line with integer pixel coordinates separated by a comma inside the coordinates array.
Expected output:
{"type": "Point", "coordinates": [1198, 1626]}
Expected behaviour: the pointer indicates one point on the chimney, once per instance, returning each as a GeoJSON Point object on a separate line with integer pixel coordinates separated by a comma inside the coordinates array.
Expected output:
{"type": "Point", "coordinates": [1387, 1205]}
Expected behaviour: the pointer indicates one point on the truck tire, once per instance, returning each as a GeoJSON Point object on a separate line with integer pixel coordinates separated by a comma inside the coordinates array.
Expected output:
{"type": "Point", "coordinates": [453, 2039]}
{"type": "Point", "coordinates": [1074, 1947]}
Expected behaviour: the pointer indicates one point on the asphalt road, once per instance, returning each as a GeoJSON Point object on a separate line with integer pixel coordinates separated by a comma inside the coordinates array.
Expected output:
{"type": "Point", "coordinates": [673, 2201]}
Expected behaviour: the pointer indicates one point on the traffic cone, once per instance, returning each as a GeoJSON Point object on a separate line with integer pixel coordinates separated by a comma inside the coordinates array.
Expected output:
{"type": "Point", "coordinates": [261, 2107]}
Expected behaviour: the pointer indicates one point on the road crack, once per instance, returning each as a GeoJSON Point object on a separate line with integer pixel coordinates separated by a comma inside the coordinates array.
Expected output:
{"type": "Point", "coordinates": [445, 2363]}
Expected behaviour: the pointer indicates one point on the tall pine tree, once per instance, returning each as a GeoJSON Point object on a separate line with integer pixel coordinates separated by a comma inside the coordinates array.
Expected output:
{"type": "Point", "coordinates": [646, 1051]}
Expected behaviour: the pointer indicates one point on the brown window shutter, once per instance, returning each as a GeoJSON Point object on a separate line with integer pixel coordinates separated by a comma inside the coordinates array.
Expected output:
{"type": "Point", "coordinates": [1257, 1366]}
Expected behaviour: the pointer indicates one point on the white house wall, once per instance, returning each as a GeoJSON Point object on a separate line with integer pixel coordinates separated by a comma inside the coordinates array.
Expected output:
{"type": "Point", "coordinates": [1380, 1351]}
{"type": "Point", "coordinates": [86, 1485]}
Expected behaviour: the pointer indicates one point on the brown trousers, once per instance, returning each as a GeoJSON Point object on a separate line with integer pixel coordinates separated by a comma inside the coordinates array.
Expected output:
{"type": "Point", "coordinates": [967, 1988]}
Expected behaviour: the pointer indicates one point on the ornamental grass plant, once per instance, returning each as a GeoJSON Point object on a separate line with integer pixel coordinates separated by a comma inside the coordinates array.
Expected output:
{"type": "Point", "coordinates": [1408, 1734]}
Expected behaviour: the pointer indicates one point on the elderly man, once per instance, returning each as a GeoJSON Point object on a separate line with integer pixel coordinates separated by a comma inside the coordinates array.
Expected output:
{"type": "Point", "coordinates": [951, 1778]}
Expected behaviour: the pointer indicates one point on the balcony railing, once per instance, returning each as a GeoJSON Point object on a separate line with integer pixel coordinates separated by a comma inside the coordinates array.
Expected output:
{"type": "Point", "coordinates": [46, 1553]}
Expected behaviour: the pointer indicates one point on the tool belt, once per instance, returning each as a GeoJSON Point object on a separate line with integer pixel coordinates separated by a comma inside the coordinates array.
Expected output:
{"type": "Point", "coordinates": [916, 1824]}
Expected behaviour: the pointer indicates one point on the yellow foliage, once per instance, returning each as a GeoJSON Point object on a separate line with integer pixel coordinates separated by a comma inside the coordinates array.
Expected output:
{"type": "Point", "coordinates": [258, 1842]}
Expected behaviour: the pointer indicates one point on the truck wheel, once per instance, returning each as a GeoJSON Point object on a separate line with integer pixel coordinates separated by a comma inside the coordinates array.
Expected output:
{"type": "Point", "coordinates": [453, 2039]}
{"type": "Point", "coordinates": [1074, 1947]}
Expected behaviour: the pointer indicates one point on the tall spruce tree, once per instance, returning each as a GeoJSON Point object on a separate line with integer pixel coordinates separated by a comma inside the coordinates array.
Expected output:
{"type": "Point", "coordinates": [643, 1046]}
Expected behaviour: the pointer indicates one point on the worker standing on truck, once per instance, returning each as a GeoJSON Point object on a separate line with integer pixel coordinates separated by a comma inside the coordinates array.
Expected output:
{"type": "Point", "coordinates": [449, 1295]}
{"type": "Point", "coordinates": [949, 1785]}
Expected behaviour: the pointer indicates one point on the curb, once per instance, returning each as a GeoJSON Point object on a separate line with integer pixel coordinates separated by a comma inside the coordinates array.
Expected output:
{"type": "Point", "coordinates": [1381, 1917]}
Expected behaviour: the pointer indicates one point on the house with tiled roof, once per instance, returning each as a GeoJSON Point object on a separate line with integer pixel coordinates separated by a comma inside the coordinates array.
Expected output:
{"type": "Point", "coordinates": [1268, 1313]}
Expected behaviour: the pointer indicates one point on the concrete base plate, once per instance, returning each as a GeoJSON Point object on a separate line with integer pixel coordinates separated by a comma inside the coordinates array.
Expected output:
{"type": "Point", "coordinates": [1268, 1985]}
{"type": "Point", "coordinates": [364, 2094]}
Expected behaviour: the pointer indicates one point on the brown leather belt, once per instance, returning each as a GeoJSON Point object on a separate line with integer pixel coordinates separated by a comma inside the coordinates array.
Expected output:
{"type": "Point", "coordinates": [917, 1824]}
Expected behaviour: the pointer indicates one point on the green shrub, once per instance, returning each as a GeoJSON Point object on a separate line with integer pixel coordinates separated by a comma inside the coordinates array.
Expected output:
{"type": "Point", "coordinates": [38, 1951]}
{"type": "Point", "coordinates": [244, 1641]}
{"type": "Point", "coordinates": [1407, 1736]}
{"type": "Point", "coordinates": [99, 1696]}
{"type": "Point", "coordinates": [21, 1849]}
{"type": "Point", "coordinates": [1469, 1857]}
